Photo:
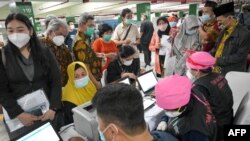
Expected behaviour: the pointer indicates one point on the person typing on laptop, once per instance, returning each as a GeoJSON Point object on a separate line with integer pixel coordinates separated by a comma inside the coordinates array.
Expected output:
{"type": "Point", "coordinates": [188, 113]}
{"type": "Point", "coordinates": [120, 115]}
{"type": "Point", "coordinates": [123, 66]}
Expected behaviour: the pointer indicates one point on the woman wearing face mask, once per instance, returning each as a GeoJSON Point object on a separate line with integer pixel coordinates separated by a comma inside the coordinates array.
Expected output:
{"type": "Point", "coordinates": [155, 44]}
{"type": "Point", "coordinates": [123, 66]}
{"type": "Point", "coordinates": [27, 67]}
{"type": "Point", "coordinates": [80, 88]}
{"type": "Point", "coordinates": [54, 39]}
{"type": "Point", "coordinates": [186, 41]}
{"type": "Point", "coordinates": [188, 113]}
{"type": "Point", "coordinates": [173, 31]}
{"type": "Point", "coordinates": [104, 47]}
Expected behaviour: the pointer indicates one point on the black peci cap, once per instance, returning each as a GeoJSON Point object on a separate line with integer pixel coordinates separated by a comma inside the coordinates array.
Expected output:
{"type": "Point", "coordinates": [224, 9]}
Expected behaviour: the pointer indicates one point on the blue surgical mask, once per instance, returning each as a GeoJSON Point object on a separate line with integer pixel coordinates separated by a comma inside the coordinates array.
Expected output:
{"type": "Point", "coordinates": [205, 18]}
{"type": "Point", "coordinates": [101, 133]}
{"type": "Point", "coordinates": [172, 24]}
{"type": "Point", "coordinates": [80, 83]}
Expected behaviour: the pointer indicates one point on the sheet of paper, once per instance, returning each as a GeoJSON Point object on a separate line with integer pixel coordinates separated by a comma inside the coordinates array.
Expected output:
{"type": "Point", "coordinates": [29, 102]}
{"type": "Point", "coordinates": [165, 45]}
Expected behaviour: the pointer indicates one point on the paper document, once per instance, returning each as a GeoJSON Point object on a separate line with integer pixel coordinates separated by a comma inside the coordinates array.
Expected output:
{"type": "Point", "coordinates": [34, 101]}
{"type": "Point", "coordinates": [165, 45]}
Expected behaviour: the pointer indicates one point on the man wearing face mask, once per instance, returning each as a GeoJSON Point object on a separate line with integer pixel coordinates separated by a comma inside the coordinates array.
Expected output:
{"type": "Point", "coordinates": [123, 66]}
{"type": "Point", "coordinates": [214, 87]}
{"type": "Point", "coordinates": [188, 113]}
{"type": "Point", "coordinates": [82, 47]}
{"type": "Point", "coordinates": [71, 35]}
{"type": "Point", "coordinates": [232, 46]}
{"type": "Point", "coordinates": [120, 115]}
{"type": "Point", "coordinates": [209, 31]}
{"type": "Point", "coordinates": [127, 34]}
{"type": "Point", "coordinates": [54, 39]}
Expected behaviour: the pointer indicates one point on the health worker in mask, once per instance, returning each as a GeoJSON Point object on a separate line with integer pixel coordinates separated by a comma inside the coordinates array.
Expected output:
{"type": "Point", "coordinates": [214, 86]}
{"type": "Point", "coordinates": [80, 88]}
{"type": "Point", "coordinates": [104, 47]}
{"type": "Point", "coordinates": [188, 114]}
{"type": "Point", "coordinates": [123, 66]}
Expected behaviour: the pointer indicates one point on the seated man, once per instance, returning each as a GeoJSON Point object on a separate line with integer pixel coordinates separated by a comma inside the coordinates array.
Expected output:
{"type": "Point", "coordinates": [188, 113]}
{"type": "Point", "coordinates": [120, 115]}
{"type": "Point", "coordinates": [123, 66]}
{"type": "Point", "coordinates": [214, 86]}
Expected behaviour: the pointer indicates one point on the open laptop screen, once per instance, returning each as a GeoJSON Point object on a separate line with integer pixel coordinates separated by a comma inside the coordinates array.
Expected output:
{"type": "Point", "coordinates": [147, 81]}
{"type": "Point", "coordinates": [125, 81]}
{"type": "Point", "coordinates": [43, 133]}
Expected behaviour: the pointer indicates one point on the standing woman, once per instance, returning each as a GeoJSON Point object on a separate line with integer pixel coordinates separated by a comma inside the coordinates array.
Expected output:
{"type": "Point", "coordinates": [27, 67]}
{"type": "Point", "coordinates": [155, 45]}
{"type": "Point", "coordinates": [104, 47]}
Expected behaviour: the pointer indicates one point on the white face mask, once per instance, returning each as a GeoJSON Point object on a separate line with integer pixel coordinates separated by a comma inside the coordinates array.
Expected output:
{"type": "Point", "coordinates": [58, 40]}
{"type": "Point", "coordinates": [128, 63]}
{"type": "Point", "coordinates": [190, 76]}
{"type": "Point", "coordinates": [19, 39]}
{"type": "Point", "coordinates": [72, 27]}
{"type": "Point", "coordinates": [163, 27]}
{"type": "Point", "coordinates": [80, 83]}
{"type": "Point", "coordinates": [173, 114]}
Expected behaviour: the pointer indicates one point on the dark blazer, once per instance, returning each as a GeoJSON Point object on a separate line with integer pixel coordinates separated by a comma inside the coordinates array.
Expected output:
{"type": "Point", "coordinates": [14, 84]}
{"type": "Point", "coordinates": [237, 46]}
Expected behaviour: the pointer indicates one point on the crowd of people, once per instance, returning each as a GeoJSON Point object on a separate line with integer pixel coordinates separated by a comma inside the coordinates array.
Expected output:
{"type": "Point", "coordinates": [67, 64]}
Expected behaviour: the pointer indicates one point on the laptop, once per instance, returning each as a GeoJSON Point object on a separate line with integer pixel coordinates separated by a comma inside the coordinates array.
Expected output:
{"type": "Point", "coordinates": [124, 80]}
{"type": "Point", "coordinates": [41, 132]}
{"type": "Point", "coordinates": [147, 82]}
{"type": "Point", "coordinates": [148, 103]}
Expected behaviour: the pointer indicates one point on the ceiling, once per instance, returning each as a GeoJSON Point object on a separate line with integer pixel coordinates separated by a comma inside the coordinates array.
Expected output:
{"type": "Point", "coordinates": [42, 8]}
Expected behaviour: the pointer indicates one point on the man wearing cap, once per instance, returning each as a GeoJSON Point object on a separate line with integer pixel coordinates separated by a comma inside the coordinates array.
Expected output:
{"type": "Point", "coordinates": [188, 113]}
{"type": "Point", "coordinates": [209, 31]}
{"type": "Point", "coordinates": [214, 87]}
{"type": "Point", "coordinates": [233, 43]}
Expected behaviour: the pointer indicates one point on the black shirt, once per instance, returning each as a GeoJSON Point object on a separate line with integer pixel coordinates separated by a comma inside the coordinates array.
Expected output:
{"type": "Point", "coordinates": [218, 93]}
{"type": "Point", "coordinates": [147, 29]}
{"type": "Point", "coordinates": [116, 68]}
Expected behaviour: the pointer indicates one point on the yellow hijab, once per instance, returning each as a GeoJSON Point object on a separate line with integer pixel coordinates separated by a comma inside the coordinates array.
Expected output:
{"type": "Point", "coordinates": [75, 95]}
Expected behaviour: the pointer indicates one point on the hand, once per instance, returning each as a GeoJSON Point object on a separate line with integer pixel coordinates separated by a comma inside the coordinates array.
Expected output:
{"type": "Point", "coordinates": [127, 42]}
{"type": "Point", "coordinates": [158, 45]}
{"type": "Point", "coordinates": [162, 126]}
{"type": "Point", "coordinates": [27, 119]}
{"type": "Point", "coordinates": [49, 115]}
{"type": "Point", "coordinates": [111, 55]}
{"type": "Point", "coordinates": [130, 75]}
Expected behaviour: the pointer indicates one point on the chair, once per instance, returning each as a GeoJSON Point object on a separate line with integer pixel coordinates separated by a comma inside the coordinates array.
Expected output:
{"type": "Point", "coordinates": [239, 83]}
{"type": "Point", "coordinates": [104, 77]}
{"type": "Point", "coordinates": [242, 116]}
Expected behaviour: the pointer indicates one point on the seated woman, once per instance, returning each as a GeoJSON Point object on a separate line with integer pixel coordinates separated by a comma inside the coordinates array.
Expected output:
{"type": "Point", "coordinates": [123, 65]}
{"type": "Point", "coordinates": [80, 88]}
{"type": "Point", "coordinates": [104, 47]}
